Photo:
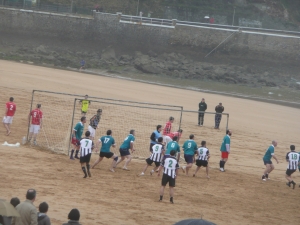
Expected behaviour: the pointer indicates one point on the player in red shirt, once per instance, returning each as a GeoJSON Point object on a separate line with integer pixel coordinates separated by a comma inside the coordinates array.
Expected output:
{"type": "Point", "coordinates": [36, 122]}
{"type": "Point", "coordinates": [10, 110]}
{"type": "Point", "coordinates": [169, 137]}
{"type": "Point", "coordinates": [167, 129]}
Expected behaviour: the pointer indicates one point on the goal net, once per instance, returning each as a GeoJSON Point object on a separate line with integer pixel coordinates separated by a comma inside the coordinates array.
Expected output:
{"type": "Point", "coordinates": [61, 111]}
{"type": "Point", "coordinates": [121, 117]}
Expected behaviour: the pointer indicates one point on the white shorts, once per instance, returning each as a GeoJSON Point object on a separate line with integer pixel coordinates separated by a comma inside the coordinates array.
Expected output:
{"type": "Point", "coordinates": [92, 131]}
{"type": "Point", "coordinates": [7, 119]}
{"type": "Point", "coordinates": [34, 128]}
{"type": "Point", "coordinates": [167, 139]}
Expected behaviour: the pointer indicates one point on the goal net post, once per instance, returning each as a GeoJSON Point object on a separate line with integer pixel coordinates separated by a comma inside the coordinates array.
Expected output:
{"type": "Point", "coordinates": [121, 117]}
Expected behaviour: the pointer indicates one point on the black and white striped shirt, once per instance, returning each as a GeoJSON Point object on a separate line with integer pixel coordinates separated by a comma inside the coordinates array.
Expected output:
{"type": "Point", "coordinates": [293, 159]}
{"type": "Point", "coordinates": [86, 146]}
{"type": "Point", "coordinates": [170, 166]}
{"type": "Point", "coordinates": [157, 150]}
{"type": "Point", "coordinates": [202, 153]}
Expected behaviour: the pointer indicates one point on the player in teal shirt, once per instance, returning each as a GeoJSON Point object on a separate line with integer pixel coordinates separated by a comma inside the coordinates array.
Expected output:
{"type": "Point", "coordinates": [107, 142]}
{"type": "Point", "coordinates": [76, 137]}
{"type": "Point", "coordinates": [125, 147]}
{"type": "Point", "coordinates": [225, 150]}
{"type": "Point", "coordinates": [267, 160]}
{"type": "Point", "coordinates": [189, 148]}
{"type": "Point", "coordinates": [173, 145]}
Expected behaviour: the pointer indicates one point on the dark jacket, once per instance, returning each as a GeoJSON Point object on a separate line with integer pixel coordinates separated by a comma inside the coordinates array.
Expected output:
{"type": "Point", "coordinates": [202, 106]}
{"type": "Point", "coordinates": [72, 222]}
{"type": "Point", "coordinates": [219, 109]}
{"type": "Point", "coordinates": [43, 219]}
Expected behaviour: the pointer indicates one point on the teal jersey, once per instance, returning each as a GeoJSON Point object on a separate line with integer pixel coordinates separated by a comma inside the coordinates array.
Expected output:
{"type": "Point", "coordinates": [269, 153]}
{"type": "Point", "coordinates": [226, 140]}
{"type": "Point", "coordinates": [173, 145]}
{"type": "Point", "coordinates": [79, 130]}
{"type": "Point", "coordinates": [126, 144]}
{"type": "Point", "coordinates": [189, 147]}
{"type": "Point", "coordinates": [107, 142]}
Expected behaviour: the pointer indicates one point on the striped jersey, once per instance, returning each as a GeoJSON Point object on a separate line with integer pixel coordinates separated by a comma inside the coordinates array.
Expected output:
{"type": "Point", "coordinates": [170, 166]}
{"type": "Point", "coordinates": [86, 146]}
{"type": "Point", "coordinates": [203, 153]}
{"type": "Point", "coordinates": [157, 152]}
{"type": "Point", "coordinates": [293, 159]}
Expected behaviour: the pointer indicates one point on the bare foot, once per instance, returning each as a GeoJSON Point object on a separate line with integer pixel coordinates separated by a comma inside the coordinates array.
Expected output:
{"type": "Point", "coordinates": [8, 133]}
{"type": "Point", "coordinates": [208, 177]}
{"type": "Point", "coordinates": [112, 170]}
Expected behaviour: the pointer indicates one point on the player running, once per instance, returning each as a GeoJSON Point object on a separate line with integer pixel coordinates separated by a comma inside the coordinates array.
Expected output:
{"type": "Point", "coordinates": [225, 150]}
{"type": "Point", "coordinates": [85, 105]}
{"type": "Point", "coordinates": [157, 153]}
{"type": "Point", "coordinates": [189, 148]}
{"type": "Point", "coordinates": [36, 122]}
{"type": "Point", "coordinates": [203, 156]}
{"type": "Point", "coordinates": [86, 146]}
{"type": "Point", "coordinates": [170, 136]}
{"type": "Point", "coordinates": [107, 142]}
{"type": "Point", "coordinates": [10, 110]}
{"type": "Point", "coordinates": [267, 161]}
{"type": "Point", "coordinates": [94, 121]}
{"type": "Point", "coordinates": [170, 166]}
{"type": "Point", "coordinates": [125, 147]}
{"type": "Point", "coordinates": [76, 137]}
{"type": "Point", "coordinates": [293, 158]}
{"type": "Point", "coordinates": [154, 137]}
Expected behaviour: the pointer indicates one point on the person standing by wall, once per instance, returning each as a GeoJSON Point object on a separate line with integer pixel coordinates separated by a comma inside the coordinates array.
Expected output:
{"type": "Point", "coordinates": [219, 110]}
{"type": "Point", "coordinates": [202, 108]}
{"type": "Point", "coordinates": [36, 116]}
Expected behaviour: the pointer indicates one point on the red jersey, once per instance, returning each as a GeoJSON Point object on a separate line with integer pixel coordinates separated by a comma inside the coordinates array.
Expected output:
{"type": "Point", "coordinates": [167, 128]}
{"type": "Point", "coordinates": [11, 108]}
{"type": "Point", "coordinates": [36, 116]}
{"type": "Point", "coordinates": [174, 134]}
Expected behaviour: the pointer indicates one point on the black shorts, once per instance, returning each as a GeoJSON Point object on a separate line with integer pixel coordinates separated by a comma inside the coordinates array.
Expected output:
{"type": "Point", "coordinates": [124, 152]}
{"type": "Point", "coordinates": [150, 149]}
{"type": "Point", "coordinates": [289, 172]}
{"type": "Point", "coordinates": [167, 179]}
{"type": "Point", "coordinates": [86, 158]}
{"type": "Point", "coordinates": [200, 163]}
{"type": "Point", "coordinates": [149, 162]}
{"type": "Point", "coordinates": [106, 154]}
{"type": "Point", "coordinates": [83, 111]}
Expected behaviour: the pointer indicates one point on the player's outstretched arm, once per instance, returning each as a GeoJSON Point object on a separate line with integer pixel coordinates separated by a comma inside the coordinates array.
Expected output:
{"type": "Point", "coordinates": [275, 159]}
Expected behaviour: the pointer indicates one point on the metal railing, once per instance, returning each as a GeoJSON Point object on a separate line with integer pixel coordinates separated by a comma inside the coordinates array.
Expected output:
{"type": "Point", "coordinates": [146, 20]}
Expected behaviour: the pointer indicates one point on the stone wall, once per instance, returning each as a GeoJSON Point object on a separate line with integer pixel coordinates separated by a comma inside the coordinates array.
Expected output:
{"type": "Point", "coordinates": [106, 30]}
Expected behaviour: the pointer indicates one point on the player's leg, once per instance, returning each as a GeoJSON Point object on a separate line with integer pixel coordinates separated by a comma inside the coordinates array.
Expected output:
{"type": "Point", "coordinates": [92, 132]}
{"type": "Point", "coordinates": [207, 168]}
{"type": "Point", "coordinates": [6, 124]}
{"type": "Point", "coordinates": [82, 163]}
{"type": "Point", "coordinates": [164, 182]}
{"type": "Point", "coordinates": [199, 115]}
{"type": "Point", "coordinates": [198, 167]}
{"type": "Point", "coordinates": [128, 160]}
{"type": "Point", "coordinates": [187, 168]}
{"type": "Point", "coordinates": [88, 164]}
{"type": "Point", "coordinates": [77, 148]}
{"type": "Point", "coordinates": [157, 165]}
{"type": "Point", "coordinates": [98, 160]}
{"type": "Point", "coordinates": [114, 162]}
{"type": "Point", "coordinates": [36, 129]}
{"type": "Point", "coordinates": [288, 176]}
{"type": "Point", "coordinates": [148, 163]}
{"type": "Point", "coordinates": [171, 187]}
{"type": "Point", "coordinates": [189, 161]}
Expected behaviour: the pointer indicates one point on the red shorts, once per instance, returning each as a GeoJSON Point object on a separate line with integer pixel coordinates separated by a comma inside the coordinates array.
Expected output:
{"type": "Point", "coordinates": [224, 155]}
{"type": "Point", "coordinates": [75, 141]}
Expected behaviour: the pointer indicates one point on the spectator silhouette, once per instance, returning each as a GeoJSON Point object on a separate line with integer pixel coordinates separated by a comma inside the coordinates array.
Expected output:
{"type": "Point", "coordinates": [43, 219]}
{"type": "Point", "coordinates": [27, 211]}
{"type": "Point", "coordinates": [73, 217]}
